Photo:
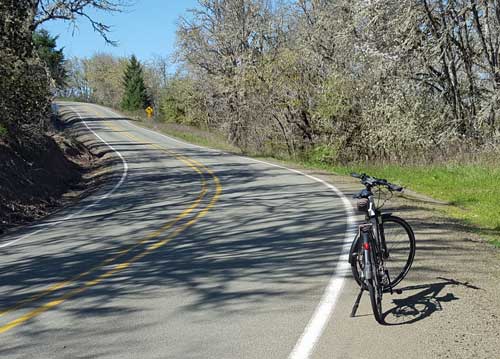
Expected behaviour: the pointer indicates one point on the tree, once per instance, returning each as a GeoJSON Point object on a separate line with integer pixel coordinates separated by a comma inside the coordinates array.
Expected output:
{"type": "Point", "coordinates": [45, 46]}
{"type": "Point", "coordinates": [76, 85]}
{"type": "Point", "coordinates": [156, 77]}
{"type": "Point", "coordinates": [408, 79]}
{"type": "Point", "coordinates": [23, 80]}
{"type": "Point", "coordinates": [222, 42]}
{"type": "Point", "coordinates": [104, 73]}
{"type": "Point", "coordinates": [135, 96]}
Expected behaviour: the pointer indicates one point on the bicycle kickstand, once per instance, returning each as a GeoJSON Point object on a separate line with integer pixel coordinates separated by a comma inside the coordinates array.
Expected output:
{"type": "Point", "coordinates": [356, 303]}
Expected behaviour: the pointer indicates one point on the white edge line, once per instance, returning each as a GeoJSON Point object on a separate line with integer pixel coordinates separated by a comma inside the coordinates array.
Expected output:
{"type": "Point", "coordinates": [103, 197]}
{"type": "Point", "coordinates": [321, 316]}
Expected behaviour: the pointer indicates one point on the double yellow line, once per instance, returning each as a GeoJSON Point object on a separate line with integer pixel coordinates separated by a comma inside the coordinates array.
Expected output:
{"type": "Point", "coordinates": [196, 166]}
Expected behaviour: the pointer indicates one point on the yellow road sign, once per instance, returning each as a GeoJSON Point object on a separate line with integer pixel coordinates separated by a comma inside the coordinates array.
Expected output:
{"type": "Point", "coordinates": [149, 111]}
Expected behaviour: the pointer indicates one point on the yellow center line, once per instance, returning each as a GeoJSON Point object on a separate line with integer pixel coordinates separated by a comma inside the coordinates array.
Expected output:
{"type": "Point", "coordinates": [121, 253]}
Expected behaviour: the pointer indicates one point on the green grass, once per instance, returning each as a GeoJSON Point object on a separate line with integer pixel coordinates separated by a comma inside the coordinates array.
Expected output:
{"type": "Point", "coordinates": [472, 190]}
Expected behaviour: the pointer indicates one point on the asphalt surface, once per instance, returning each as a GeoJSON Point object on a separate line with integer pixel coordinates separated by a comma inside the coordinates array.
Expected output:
{"type": "Point", "coordinates": [185, 252]}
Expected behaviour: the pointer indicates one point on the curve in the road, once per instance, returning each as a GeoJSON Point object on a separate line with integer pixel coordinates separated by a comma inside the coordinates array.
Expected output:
{"type": "Point", "coordinates": [322, 311]}
{"type": "Point", "coordinates": [189, 162]}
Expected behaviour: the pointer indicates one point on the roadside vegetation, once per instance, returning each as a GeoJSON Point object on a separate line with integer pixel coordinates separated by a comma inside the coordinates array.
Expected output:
{"type": "Point", "coordinates": [413, 81]}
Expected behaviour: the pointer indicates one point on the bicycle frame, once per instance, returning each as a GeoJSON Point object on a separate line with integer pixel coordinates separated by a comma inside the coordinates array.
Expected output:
{"type": "Point", "coordinates": [374, 217]}
{"type": "Point", "coordinates": [373, 238]}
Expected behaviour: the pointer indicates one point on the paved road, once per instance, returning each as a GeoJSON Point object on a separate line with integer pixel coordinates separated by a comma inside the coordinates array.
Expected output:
{"type": "Point", "coordinates": [184, 253]}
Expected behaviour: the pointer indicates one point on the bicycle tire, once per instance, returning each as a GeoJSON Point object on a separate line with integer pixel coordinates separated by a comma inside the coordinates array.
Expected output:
{"type": "Point", "coordinates": [406, 259]}
{"type": "Point", "coordinates": [400, 243]}
{"type": "Point", "coordinates": [355, 260]}
{"type": "Point", "coordinates": [375, 292]}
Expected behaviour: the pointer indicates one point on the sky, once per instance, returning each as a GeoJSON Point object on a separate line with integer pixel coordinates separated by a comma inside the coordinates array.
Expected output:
{"type": "Point", "coordinates": [146, 29]}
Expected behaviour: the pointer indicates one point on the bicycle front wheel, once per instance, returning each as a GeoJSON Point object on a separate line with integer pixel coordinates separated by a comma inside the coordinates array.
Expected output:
{"type": "Point", "coordinates": [400, 244]}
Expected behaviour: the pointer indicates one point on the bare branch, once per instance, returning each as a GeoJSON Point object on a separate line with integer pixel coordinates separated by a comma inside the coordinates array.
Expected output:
{"type": "Point", "coordinates": [71, 10]}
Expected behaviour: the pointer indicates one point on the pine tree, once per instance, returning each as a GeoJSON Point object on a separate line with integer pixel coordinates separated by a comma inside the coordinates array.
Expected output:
{"type": "Point", "coordinates": [135, 96]}
{"type": "Point", "coordinates": [45, 46]}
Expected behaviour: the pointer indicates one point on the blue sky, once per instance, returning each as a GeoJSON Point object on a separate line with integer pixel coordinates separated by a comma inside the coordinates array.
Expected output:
{"type": "Point", "coordinates": [146, 29]}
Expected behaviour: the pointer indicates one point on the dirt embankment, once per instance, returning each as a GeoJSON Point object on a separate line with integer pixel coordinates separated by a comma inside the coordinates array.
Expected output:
{"type": "Point", "coordinates": [35, 181]}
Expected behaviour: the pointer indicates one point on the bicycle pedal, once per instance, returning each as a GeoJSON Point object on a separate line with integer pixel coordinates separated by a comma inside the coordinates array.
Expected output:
{"type": "Point", "coordinates": [398, 291]}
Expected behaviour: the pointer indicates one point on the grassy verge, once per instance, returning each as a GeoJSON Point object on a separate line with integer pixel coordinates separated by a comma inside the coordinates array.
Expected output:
{"type": "Point", "coordinates": [471, 190]}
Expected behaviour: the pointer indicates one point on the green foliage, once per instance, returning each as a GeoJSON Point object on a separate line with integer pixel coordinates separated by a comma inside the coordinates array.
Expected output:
{"type": "Point", "coordinates": [337, 72]}
{"type": "Point", "coordinates": [323, 154]}
{"type": "Point", "coordinates": [335, 101]}
{"type": "Point", "coordinates": [177, 101]}
{"type": "Point", "coordinates": [135, 96]}
{"type": "Point", "coordinates": [45, 46]}
{"type": "Point", "coordinates": [174, 102]}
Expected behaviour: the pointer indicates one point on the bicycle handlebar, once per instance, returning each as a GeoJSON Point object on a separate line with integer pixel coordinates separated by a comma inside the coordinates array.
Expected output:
{"type": "Point", "coordinates": [369, 181]}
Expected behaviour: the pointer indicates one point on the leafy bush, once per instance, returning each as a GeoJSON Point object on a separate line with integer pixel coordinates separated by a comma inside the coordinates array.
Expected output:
{"type": "Point", "coordinates": [323, 154]}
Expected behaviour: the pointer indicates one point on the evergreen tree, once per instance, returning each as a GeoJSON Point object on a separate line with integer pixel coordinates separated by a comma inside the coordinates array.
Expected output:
{"type": "Point", "coordinates": [135, 96]}
{"type": "Point", "coordinates": [45, 46]}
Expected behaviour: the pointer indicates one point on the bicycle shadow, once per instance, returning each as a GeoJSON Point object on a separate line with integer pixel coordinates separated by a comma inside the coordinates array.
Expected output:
{"type": "Point", "coordinates": [424, 303]}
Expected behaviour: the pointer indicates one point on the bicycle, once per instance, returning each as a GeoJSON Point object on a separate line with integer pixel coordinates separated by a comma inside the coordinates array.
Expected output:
{"type": "Point", "coordinates": [383, 250]}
